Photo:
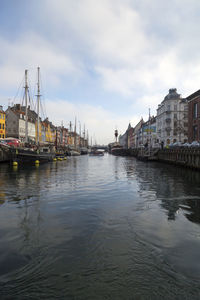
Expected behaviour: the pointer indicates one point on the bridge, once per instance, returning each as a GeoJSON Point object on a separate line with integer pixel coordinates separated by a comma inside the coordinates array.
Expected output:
{"type": "Point", "coordinates": [105, 147]}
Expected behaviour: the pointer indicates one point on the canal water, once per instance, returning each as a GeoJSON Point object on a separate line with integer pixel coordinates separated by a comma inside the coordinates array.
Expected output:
{"type": "Point", "coordinates": [99, 228]}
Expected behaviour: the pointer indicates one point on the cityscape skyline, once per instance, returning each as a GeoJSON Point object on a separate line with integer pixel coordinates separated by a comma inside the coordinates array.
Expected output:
{"type": "Point", "coordinates": [105, 63]}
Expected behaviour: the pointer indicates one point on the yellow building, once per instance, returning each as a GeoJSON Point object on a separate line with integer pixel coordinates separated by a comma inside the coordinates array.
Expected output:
{"type": "Point", "coordinates": [2, 123]}
{"type": "Point", "coordinates": [50, 131]}
{"type": "Point", "coordinates": [40, 131]}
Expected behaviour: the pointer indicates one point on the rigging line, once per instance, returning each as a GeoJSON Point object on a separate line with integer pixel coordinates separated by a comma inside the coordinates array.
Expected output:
{"type": "Point", "coordinates": [34, 92]}
{"type": "Point", "coordinates": [43, 97]}
{"type": "Point", "coordinates": [19, 88]}
{"type": "Point", "coordinates": [30, 94]}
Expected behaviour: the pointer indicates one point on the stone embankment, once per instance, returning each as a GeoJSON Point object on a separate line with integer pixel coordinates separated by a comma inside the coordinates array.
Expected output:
{"type": "Point", "coordinates": [4, 155]}
{"type": "Point", "coordinates": [187, 157]}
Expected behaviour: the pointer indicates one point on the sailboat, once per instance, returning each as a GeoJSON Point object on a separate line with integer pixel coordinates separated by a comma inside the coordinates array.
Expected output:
{"type": "Point", "coordinates": [37, 154]}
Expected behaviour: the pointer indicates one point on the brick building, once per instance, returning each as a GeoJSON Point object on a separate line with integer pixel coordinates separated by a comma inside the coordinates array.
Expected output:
{"type": "Point", "coordinates": [194, 117]}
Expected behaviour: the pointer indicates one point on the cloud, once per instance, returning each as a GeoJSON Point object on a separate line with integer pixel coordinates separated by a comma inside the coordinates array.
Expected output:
{"type": "Point", "coordinates": [131, 51]}
{"type": "Point", "coordinates": [30, 51]}
{"type": "Point", "coordinates": [98, 121]}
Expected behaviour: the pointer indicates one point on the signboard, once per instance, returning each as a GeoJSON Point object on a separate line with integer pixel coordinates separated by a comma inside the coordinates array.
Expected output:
{"type": "Point", "coordinates": [147, 128]}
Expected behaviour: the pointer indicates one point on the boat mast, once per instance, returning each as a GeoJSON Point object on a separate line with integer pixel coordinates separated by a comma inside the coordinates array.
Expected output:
{"type": "Point", "coordinates": [38, 105]}
{"type": "Point", "coordinates": [75, 134]}
{"type": "Point", "coordinates": [149, 133]}
{"type": "Point", "coordinates": [26, 106]}
{"type": "Point", "coordinates": [87, 143]}
{"type": "Point", "coordinates": [80, 145]}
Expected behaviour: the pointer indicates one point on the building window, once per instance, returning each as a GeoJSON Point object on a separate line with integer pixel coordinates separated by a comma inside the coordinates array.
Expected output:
{"type": "Point", "coordinates": [3, 136]}
{"type": "Point", "coordinates": [3, 126]}
{"type": "Point", "coordinates": [195, 133]}
{"type": "Point", "coordinates": [0, 125]}
{"type": "Point", "coordinates": [175, 107]}
{"type": "Point", "coordinates": [195, 111]}
{"type": "Point", "coordinates": [168, 107]}
{"type": "Point", "coordinates": [175, 116]}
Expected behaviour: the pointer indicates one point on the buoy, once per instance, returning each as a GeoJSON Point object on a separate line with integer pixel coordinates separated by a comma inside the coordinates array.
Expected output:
{"type": "Point", "coordinates": [65, 158]}
{"type": "Point", "coordinates": [55, 159]}
{"type": "Point", "coordinates": [37, 162]}
{"type": "Point", "coordinates": [15, 168]}
{"type": "Point", "coordinates": [15, 163]}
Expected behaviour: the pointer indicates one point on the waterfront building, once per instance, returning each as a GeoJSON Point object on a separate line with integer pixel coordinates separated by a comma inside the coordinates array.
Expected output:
{"type": "Point", "coordinates": [172, 119]}
{"type": "Point", "coordinates": [149, 136]}
{"type": "Point", "coordinates": [62, 136]}
{"type": "Point", "coordinates": [194, 117]}
{"type": "Point", "coordinates": [130, 137]}
{"type": "Point", "coordinates": [2, 123]}
{"type": "Point", "coordinates": [50, 131]}
{"type": "Point", "coordinates": [123, 140]}
{"type": "Point", "coordinates": [137, 135]}
{"type": "Point", "coordinates": [126, 140]}
{"type": "Point", "coordinates": [15, 123]}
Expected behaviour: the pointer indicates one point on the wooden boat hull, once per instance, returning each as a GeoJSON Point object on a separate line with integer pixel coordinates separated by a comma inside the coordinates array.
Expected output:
{"type": "Point", "coordinates": [28, 156]}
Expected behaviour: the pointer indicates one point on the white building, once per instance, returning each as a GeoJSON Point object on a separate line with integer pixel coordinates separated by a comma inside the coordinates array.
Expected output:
{"type": "Point", "coordinates": [172, 119]}
{"type": "Point", "coordinates": [15, 124]}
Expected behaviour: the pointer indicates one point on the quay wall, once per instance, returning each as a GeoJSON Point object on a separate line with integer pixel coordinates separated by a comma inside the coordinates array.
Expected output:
{"type": "Point", "coordinates": [185, 157]}
{"type": "Point", "coordinates": [4, 156]}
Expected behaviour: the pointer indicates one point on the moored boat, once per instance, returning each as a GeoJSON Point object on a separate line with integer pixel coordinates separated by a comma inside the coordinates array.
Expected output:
{"type": "Point", "coordinates": [32, 153]}
{"type": "Point", "coordinates": [31, 156]}
{"type": "Point", "coordinates": [96, 152]}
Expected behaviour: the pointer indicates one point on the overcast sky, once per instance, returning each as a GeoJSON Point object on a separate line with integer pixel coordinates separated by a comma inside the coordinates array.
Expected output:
{"type": "Point", "coordinates": [104, 61]}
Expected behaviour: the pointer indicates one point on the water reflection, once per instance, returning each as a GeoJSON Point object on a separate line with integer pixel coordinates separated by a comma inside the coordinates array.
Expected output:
{"type": "Point", "coordinates": [176, 188]}
{"type": "Point", "coordinates": [99, 228]}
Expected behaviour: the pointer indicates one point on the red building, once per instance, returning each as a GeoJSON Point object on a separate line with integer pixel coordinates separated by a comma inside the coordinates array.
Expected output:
{"type": "Point", "coordinates": [194, 117]}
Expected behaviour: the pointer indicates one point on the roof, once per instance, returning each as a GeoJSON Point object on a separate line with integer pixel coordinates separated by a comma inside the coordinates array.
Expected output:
{"type": "Point", "coordinates": [172, 94]}
{"type": "Point", "coordinates": [194, 95]}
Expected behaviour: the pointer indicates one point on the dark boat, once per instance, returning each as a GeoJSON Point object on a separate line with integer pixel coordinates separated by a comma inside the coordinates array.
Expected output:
{"type": "Point", "coordinates": [32, 154]}
{"type": "Point", "coordinates": [40, 155]}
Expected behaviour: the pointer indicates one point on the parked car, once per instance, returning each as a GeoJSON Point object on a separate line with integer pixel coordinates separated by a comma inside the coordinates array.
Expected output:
{"type": "Point", "coordinates": [12, 142]}
{"type": "Point", "coordinates": [186, 145]}
{"type": "Point", "coordinates": [195, 144]}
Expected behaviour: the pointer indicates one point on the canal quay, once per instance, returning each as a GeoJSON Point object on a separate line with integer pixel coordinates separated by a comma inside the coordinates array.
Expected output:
{"type": "Point", "coordinates": [105, 227]}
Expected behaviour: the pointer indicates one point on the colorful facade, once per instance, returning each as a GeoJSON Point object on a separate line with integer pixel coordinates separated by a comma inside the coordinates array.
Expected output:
{"type": "Point", "coordinates": [2, 123]}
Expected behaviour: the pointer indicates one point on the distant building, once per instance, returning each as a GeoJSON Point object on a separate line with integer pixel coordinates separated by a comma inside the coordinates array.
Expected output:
{"type": "Point", "coordinates": [194, 117]}
{"type": "Point", "coordinates": [123, 140]}
{"type": "Point", "coordinates": [137, 135]}
{"type": "Point", "coordinates": [2, 123]}
{"type": "Point", "coordinates": [126, 140]}
{"type": "Point", "coordinates": [130, 137]}
{"type": "Point", "coordinates": [172, 119]}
